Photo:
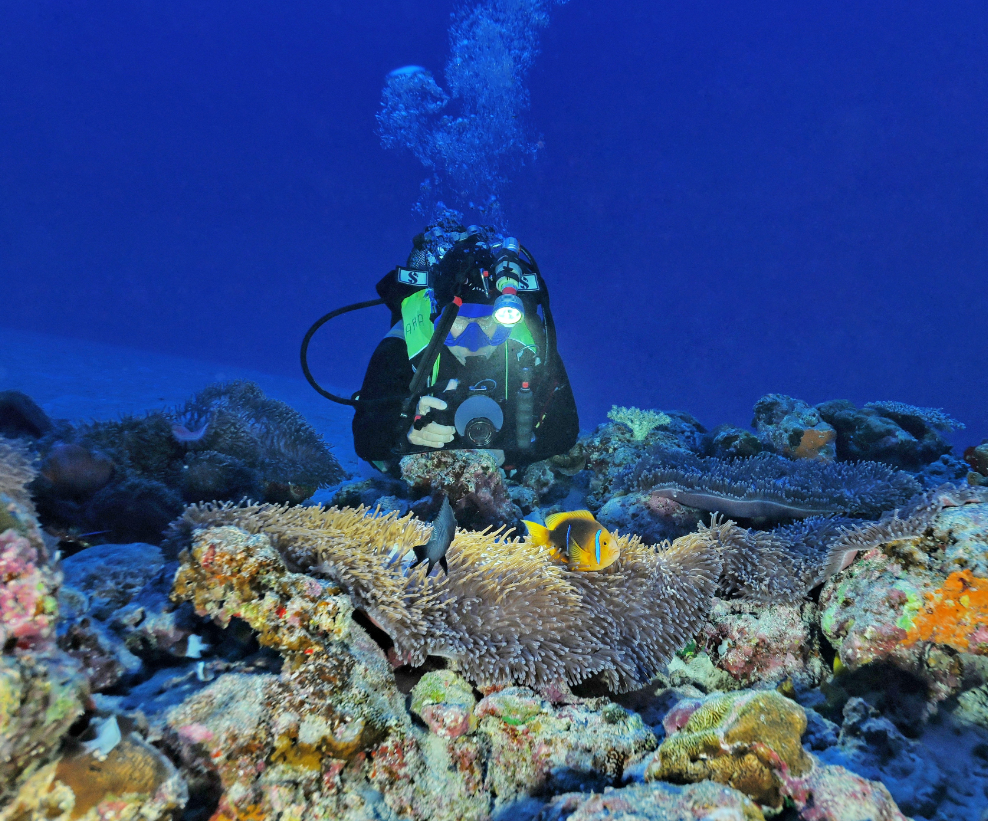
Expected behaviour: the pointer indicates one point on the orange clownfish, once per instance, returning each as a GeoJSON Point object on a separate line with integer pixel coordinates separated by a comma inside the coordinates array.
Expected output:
{"type": "Point", "coordinates": [577, 538]}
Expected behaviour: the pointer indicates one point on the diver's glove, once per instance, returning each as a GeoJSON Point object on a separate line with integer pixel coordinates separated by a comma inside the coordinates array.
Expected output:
{"type": "Point", "coordinates": [429, 434]}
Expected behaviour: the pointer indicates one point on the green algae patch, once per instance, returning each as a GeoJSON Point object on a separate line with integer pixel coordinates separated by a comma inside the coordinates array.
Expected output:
{"type": "Point", "coordinates": [912, 606]}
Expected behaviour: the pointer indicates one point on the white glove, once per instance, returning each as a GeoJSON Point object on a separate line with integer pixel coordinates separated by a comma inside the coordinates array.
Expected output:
{"type": "Point", "coordinates": [432, 435]}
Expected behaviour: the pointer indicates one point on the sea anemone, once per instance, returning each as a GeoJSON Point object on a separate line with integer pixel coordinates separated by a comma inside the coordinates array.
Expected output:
{"type": "Point", "coordinates": [767, 486]}
{"type": "Point", "coordinates": [506, 614]}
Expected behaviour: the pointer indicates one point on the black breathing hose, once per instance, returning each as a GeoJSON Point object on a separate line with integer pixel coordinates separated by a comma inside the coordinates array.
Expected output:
{"type": "Point", "coordinates": [424, 369]}
{"type": "Point", "coordinates": [304, 353]}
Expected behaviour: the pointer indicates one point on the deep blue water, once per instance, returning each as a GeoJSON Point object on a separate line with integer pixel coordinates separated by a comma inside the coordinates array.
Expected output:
{"type": "Point", "coordinates": [732, 199]}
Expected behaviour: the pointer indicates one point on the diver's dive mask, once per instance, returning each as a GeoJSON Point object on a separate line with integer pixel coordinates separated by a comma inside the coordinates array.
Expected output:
{"type": "Point", "coordinates": [475, 328]}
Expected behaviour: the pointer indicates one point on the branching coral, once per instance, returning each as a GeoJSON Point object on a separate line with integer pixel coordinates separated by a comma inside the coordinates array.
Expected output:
{"type": "Point", "coordinates": [641, 422]}
{"type": "Point", "coordinates": [772, 487]}
{"type": "Point", "coordinates": [506, 613]}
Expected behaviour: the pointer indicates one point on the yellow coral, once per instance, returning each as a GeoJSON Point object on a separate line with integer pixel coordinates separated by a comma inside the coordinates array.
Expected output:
{"type": "Point", "coordinates": [745, 740]}
{"type": "Point", "coordinates": [641, 422]}
{"type": "Point", "coordinates": [954, 613]}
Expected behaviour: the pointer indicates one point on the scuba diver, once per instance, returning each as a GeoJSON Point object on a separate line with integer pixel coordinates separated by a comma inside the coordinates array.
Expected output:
{"type": "Point", "coordinates": [470, 361]}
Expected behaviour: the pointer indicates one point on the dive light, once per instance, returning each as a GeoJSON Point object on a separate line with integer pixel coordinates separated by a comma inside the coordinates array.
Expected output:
{"type": "Point", "coordinates": [508, 307]}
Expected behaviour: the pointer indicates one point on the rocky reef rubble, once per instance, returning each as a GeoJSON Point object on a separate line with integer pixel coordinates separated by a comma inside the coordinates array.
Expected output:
{"type": "Point", "coordinates": [918, 600]}
{"type": "Point", "coordinates": [59, 758]}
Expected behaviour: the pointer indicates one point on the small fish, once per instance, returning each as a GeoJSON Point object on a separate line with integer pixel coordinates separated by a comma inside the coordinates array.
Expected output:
{"type": "Point", "coordinates": [443, 530]}
{"type": "Point", "coordinates": [577, 538]}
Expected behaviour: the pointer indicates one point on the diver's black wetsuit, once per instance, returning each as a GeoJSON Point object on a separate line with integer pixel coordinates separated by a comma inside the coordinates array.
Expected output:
{"type": "Point", "coordinates": [377, 435]}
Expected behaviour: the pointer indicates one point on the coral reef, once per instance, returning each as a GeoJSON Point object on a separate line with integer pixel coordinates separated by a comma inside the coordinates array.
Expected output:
{"type": "Point", "coordinates": [41, 690]}
{"type": "Point", "coordinates": [907, 415]}
{"type": "Point", "coordinates": [41, 696]}
{"type": "Point", "coordinates": [15, 473]}
{"type": "Point", "coordinates": [655, 802]}
{"type": "Point", "coordinates": [793, 428]}
{"type": "Point", "coordinates": [653, 517]}
{"type": "Point", "coordinates": [331, 733]}
{"type": "Point", "coordinates": [976, 456]}
{"type": "Point", "coordinates": [764, 645]}
{"type": "Point", "coordinates": [74, 471]}
{"type": "Point", "coordinates": [729, 442]}
{"type": "Point", "coordinates": [904, 601]}
{"type": "Point", "coordinates": [470, 479]}
{"type": "Point", "coordinates": [445, 702]}
{"type": "Point", "coordinates": [955, 615]}
{"type": "Point", "coordinates": [739, 739]}
{"type": "Point", "coordinates": [750, 740]}
{"type": "Point", "coordinates": [380, 691]}
{"type": "Point", "coordinates": [609, 450]}
{"type": "Point", "coordinates": [612, 449]}
{"type": "Point", "coordinates": [116, 616]}
{"type": "Point", "coordinates": [21, 416]}
{"type": "Point", "coordinates": [772, 487]}
{"type": "Point", "coordinates": [535, 750]}
{"type": "Point", "coordinates": [506, 614]}
{"type": "Point", "coordinates": [890, 432]}
{"type": "Point", "coordinates": [640, 422]}
{"type": "Point", "coordinates": [872, 746]}
{"type": "Point", "coordinates": [833, 793]}
{"type": "Point", "coordinates": [265, 435]}
{"type": "Point", "coordinates": [28, 607]}
{"type": "Point", "coordinates": [126, 479]}
{"type": "Point", "coordinates": [132, 781]}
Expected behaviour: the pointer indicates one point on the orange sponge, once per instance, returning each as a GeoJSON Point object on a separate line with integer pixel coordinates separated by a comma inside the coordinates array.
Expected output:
{"type": "Point", "coordinates": [955, 615]}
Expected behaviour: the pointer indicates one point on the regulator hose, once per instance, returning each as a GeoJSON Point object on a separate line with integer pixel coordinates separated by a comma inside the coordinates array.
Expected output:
{"type": "Point", "coordinates": [304, 353]}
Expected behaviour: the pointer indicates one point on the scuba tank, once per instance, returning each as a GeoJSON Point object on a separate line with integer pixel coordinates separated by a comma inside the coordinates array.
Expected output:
{"type": "Point", "coordinates": [524, 412]}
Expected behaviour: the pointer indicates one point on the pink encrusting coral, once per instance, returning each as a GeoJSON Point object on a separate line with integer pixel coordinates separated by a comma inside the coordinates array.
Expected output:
{"type": "Point", "coordinates": [28, 608]}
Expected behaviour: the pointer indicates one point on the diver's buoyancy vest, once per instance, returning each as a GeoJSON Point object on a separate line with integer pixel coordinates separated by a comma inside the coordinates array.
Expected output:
{"type": "Point", "coordinates": [479, 380]}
